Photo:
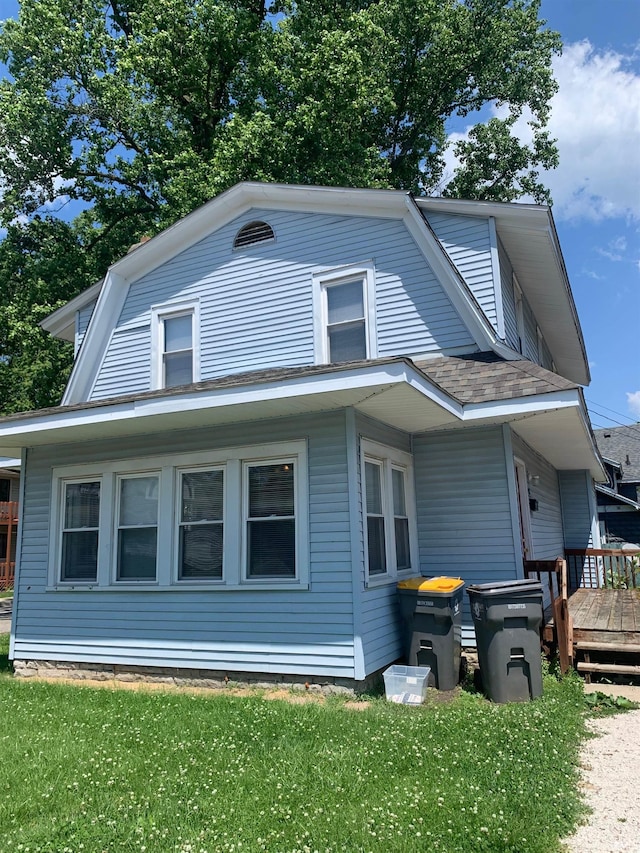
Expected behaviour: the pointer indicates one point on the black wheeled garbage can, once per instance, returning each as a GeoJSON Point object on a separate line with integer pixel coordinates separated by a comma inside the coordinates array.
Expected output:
{"type": "Point", "coordinates": [506, 618]}
{"type": "Point", "coordinates": [432, 611]}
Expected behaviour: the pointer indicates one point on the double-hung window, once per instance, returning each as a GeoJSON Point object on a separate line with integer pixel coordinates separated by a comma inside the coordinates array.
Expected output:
{"type": "Point", "coordinates": [174, 345]}
{"type": "Point", "coordinates": [388, 509]}
{"type": "Point", "coordinates": [230, 517]}
{"type": "Point", "coordinates": [80, 530]}
{"type": "Point", "coordinates": [200, 524]}
{"type": "Point", "coordinates": [344, 311]}
{"type": "Point", "coordinates": [137, 527]}
{"type": "Point", "coordinates": [270, 501]}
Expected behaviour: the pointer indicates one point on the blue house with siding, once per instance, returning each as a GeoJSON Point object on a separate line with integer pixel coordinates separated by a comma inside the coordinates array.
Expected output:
{"type": "Point", "coordinates": [281, 406]}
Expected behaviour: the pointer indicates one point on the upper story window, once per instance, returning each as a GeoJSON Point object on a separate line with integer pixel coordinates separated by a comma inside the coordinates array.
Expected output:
{"type": "Point", "coordinates": [253, 232]}
{"type": "Point", "coordinates": [177, 355]}
{"type": "Point", "coordinates": [174, 345]}
{"type": "Point", "coordinates": [344, 312]}
{"type": "Point", "coordinates": [5, 490]}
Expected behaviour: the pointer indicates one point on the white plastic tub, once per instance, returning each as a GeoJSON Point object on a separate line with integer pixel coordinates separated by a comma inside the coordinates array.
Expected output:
{"type": "Point", "coordinates": [406, 685]}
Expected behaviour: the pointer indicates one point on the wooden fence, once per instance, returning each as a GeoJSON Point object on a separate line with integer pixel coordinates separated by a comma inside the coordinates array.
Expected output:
{"type": "Point", "coordinates": [603, 568]}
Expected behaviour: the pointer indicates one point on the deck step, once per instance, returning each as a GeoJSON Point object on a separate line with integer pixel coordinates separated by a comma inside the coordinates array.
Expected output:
{"type": "Point", "coordinates": [592, 645]}
{"type": "Point", "coordinates": [622, 669]}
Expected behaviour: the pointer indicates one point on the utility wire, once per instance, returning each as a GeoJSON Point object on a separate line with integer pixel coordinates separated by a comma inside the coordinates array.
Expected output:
{"type": "Point", "coordinates": [601, 406]}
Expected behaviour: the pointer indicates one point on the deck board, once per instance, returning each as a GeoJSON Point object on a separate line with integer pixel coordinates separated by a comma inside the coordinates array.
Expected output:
{"type": "Point", "coordinates": [612, 614]}
{"type": "Point", "coordinates": [603, 615]}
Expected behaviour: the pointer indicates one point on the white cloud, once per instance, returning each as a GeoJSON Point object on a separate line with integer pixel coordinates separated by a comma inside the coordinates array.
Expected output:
{"type": "Point", "coordinates": [595, 118]}
{"type": "Point", "coordinates": [633, 401]}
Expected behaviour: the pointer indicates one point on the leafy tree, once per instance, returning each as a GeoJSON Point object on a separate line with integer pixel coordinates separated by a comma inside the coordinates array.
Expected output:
{"type": "Point", "coordinates": [140, 110]}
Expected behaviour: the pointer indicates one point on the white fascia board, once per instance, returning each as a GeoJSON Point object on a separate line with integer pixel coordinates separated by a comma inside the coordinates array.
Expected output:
{"type": "Point", "coordinates": [454, 285]}
{"type": "Point", "coordinates": [20, 431]}
{"type": "Point", "coordinates": [522, 405]}
{"type": "Point", "coordinates": [103, 320]}
{"type": "Point", "coordinates": [61, 323]}
{"type": "Point", "coordinates": [230, 204]}
{"type": "Point", "coordinates": [476, 207]}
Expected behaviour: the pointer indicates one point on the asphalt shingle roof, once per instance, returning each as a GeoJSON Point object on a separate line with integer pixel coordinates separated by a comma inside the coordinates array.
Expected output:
{"type": "Point", "coordinates": [622, 444]}
{"type": "Point", "coordinates": [477, 378]}
{"type": "Point", "coordinates": [483, 377]}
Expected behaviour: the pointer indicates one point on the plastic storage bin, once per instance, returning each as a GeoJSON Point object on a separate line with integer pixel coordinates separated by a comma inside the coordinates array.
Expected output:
{"type": "Point", "coordinates": [406, 685]}
{"type": "Point", "coordinates": [432, 612]}
{"type": "Point", "coordinates": [506, 618]}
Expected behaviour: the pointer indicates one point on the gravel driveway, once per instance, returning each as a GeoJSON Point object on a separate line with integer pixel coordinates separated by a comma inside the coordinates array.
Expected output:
{"type": "Point", "coordinates": [611, 783]}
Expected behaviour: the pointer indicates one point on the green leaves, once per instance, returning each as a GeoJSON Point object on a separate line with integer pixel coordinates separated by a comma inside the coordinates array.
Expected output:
{"type": "Point", "coordinates": [141, 110]}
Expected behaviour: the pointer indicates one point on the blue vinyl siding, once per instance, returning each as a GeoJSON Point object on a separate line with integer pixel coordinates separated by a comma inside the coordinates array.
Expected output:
{"type": "Point", "coordinates": [464, 509]}
{"type": "Point", "coordinates": [530, 334]}
{"type": "Point", "coordinates": [577, 509]}
{"type": "Point", "coordinates": [256, 304]}
{"type": "Point", "coordinates": [305, 632]}
{"type": "Point", "coordinates": [83, 318]}
{"type": "Point", "coordinates": [467, 242]}
{"type": "Point", "coordinates": [508, 299]}
{"type": "Point", "coordinates": [546, 522]}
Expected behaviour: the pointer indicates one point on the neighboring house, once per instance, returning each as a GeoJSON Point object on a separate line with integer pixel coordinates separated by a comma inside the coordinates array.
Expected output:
{"type": "Point", "coordinates": [619, 499]}
{"type": "Point", "coordinates": [9, 492]}
{"type": "Point", "coordinates": [282, 405]}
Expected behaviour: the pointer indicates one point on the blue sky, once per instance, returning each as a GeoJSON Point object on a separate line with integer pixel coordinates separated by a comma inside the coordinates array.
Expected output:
{"type": "Point", "coordinates": [596, 189]}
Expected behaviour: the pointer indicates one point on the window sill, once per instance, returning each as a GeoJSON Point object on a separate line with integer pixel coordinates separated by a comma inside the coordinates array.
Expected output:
{"type": "Point", "coordinates": [387, 580]}
{"type": "Point", "coordinates": [218, 586]}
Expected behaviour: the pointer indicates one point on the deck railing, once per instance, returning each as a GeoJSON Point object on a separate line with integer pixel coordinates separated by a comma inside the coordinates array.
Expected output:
{"type": "Point", "coordinates": [8, 525]}
{"type": "Point", "coordinates": [603, 568]}
{"type": "Point", "coordinates": [8, 512]}
{"type": "Point", "coordinates": [7, 574]}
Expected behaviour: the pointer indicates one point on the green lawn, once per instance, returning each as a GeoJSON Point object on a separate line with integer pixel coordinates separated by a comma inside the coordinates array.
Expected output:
{"type": "Point", "coordinates": [94, 770]}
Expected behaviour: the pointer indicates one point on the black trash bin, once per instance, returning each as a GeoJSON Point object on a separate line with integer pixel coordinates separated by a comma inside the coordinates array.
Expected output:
{"type": "Point", "coordinates": [432, 611]}
{"type": "Point", "coordinates": [506, 618]}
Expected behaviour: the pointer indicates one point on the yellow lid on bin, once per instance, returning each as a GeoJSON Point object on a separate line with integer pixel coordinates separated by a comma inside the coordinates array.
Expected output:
{"type": "Point", "coordinates": [441, 584]}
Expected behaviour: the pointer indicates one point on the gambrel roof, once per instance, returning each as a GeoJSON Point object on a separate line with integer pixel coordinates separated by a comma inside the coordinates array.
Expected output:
{"type": "Point", "coordinates": [527, 231]}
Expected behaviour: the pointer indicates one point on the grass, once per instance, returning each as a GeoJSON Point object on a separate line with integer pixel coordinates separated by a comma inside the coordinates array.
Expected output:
{"type": "Point", "coordinates": [85, 769]}
{"type": "Point", "coordinates": [6, 593]}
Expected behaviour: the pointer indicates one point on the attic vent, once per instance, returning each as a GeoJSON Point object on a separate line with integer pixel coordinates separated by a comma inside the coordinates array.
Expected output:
{"type": "Point", "coordinates": [253, 232]}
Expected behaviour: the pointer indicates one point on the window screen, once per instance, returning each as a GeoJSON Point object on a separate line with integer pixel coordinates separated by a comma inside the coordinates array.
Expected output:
{"type": "Point", "coordinates": [271, 527]}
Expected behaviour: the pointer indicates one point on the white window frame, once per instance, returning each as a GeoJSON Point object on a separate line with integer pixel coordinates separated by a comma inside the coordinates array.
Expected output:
{"type": "Point", "coordinates": [168, 311]}
{"type": "Point", "coordinates": [246, 466]}
{"type": "Point", "coordinates": [58, 520]}
{"type": "Point", "coordinates": [120, 477]}
{"type": "Point", "coordinates": [168, 467]}
{"type": "Point", "coordinates": [322, 281]}
{"type": "Point", "coordinates": [389, 458]}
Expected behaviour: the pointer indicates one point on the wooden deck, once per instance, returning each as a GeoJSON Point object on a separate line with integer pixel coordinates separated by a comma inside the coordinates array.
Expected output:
{"type": "Point", "coordinates": [606, 631]}
{"type": "Point", "coordinates": [606, 614]}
